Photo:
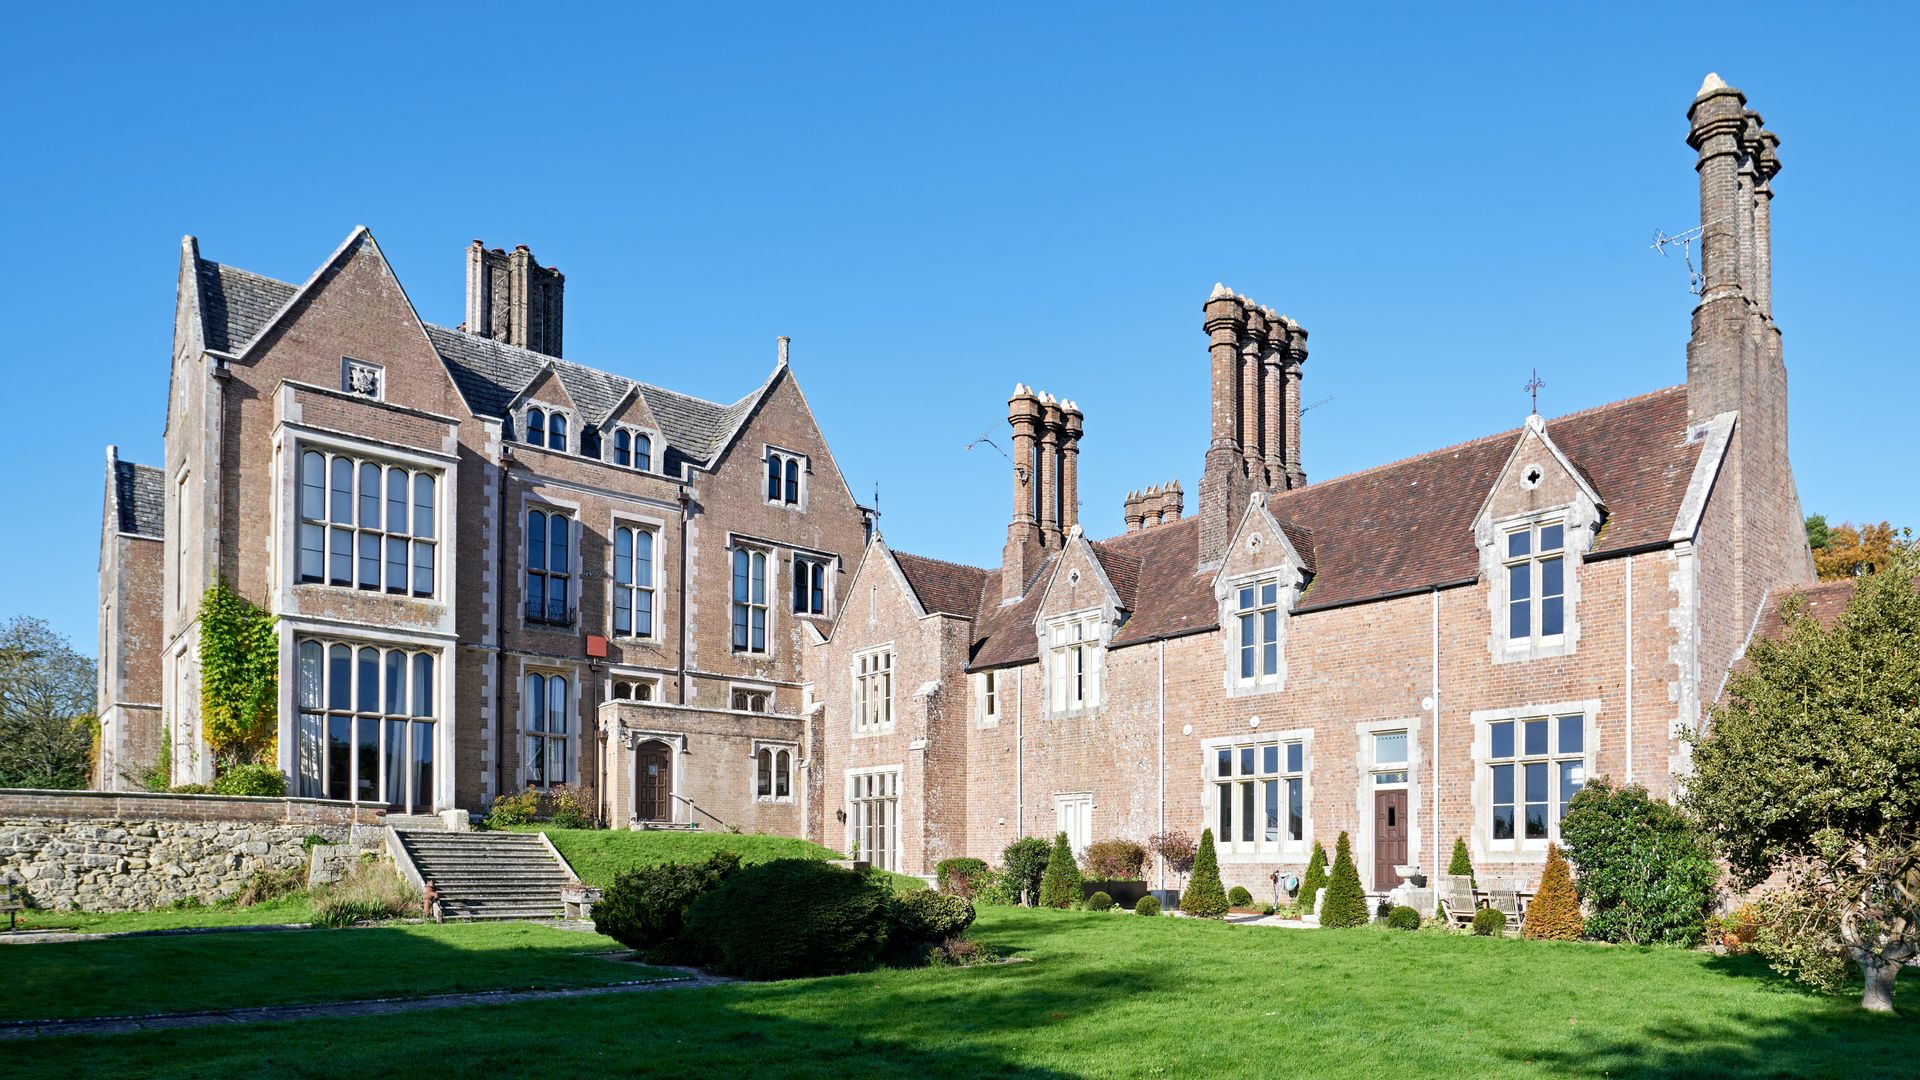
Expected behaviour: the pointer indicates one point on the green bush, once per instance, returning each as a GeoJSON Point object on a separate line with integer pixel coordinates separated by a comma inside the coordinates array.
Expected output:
{"type": "Point", "coordinates": [1346, 902]}
{"type": "Point", "coordinates": [1115, 860]}
{"type": "Point", "coordinates": [1489, 923]}
{"type": "Point", "coordinates": [959, 876]}
{"type": "Point", "coordinates": [1403, 918]}
{"type": "Point", "coordinates": [1315, 878]}
{"type": "Point", "coordinates": [1647, 877]}
{"type": "Point", "coordinates": [1022, 865]}
{"type": "Point", "coordinates": [250, 780]}
{"type": "Point", "coordinates": [927, 916]}
{"type": "Point", "coordinates": [569, 809]}
{"type": "Point", "coordinates": [1204, 898]}
{"type": "Point", "coordinates": [519, 808]}
{"type": "Point", "coordinates": [1239, 897]}
{"type": "Point", "coordinates": [1060, 884]}
{"type": "Point", "coordinates": [190, 789]}
{"type": "Point", "coordinates": [645, 908]}
{"type": "Point", "coordinates": [1461, 865]}
{"type": "Point", "coordinates": [792, 918]}
{"type": "Point", "coordinates": [1099, 901]}
{"type": "Point", "coordinates": [1147, 905]}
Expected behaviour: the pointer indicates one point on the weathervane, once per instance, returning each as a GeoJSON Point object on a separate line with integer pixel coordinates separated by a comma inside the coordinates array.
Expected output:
{"type": "Point", "coordinates": [1533, 387]}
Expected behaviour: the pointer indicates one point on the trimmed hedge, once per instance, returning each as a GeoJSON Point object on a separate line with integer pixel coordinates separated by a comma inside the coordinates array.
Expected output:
{"type": "Point", "coordinates": [1403, 918]}
{"type": "Point", "coordinates": [250, 780]}
{"type": "Point", "coordinates": [1554, 914]}
{"type": "Point", "coordinates": [1489, 923]}
{"type": "Point", "coordinates": [1023, 864]}
{"type": "Point", "coordinates": [1060, 885]}
{"type": "Point", "coordinates": [1204, 898]}
{"type": "Point", "coordinates": [792, 918]}
{"type": "Point", "coordinates": [1147, 906]}
{"type": "Point", "coordinates": [1461, 865]}
{"type": "Point", "coordinates": [1346, 902]}
{"type": "Point", "coordinates": [645, 908]}
{"type": "Point", "coordinates": [1099, 902]}
{"type": "Point", "coordinates": [1238, 896]}
{"type": "Point", "coordinates": [1315, 877]}
{"type": "Point", "coordinates": [1115, 860]}
{"type": "Point", "coordinates": [958, 876]}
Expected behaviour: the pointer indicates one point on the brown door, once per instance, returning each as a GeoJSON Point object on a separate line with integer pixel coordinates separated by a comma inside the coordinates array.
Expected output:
{"type": "Point", "coordinates": [653, 792]}
{"type": "Point", "coordinates": [1389, 837]}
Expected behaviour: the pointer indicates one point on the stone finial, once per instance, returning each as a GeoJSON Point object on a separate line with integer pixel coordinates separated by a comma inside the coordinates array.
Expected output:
{"type": "Point", "coordinates": [1711, 83]}
{"type": "Point", "coordinates": [1219, 291]}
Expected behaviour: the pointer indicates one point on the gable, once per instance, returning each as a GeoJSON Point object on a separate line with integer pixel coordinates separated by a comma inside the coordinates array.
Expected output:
{"type": "Point", "coordinates": [634, 412]}
{"type": "Point", "coordinates": [1078, 584]}
{"type": "Point", "coordinates": [943, 588]}
{"type": "Point", "coordinates": [1259, 545]}
{"type": "Point", "coordinates": [547, 388]}
{"type": "Point", "coordinates": [1537, 478]}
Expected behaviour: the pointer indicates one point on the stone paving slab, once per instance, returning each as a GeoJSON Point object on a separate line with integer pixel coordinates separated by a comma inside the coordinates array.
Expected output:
{"type": "Point", "coordinates": [120, 1025]}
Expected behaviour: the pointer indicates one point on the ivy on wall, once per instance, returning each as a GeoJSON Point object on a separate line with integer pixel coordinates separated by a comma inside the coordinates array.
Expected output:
{"type": "Point", "coordinates": [239, 676]}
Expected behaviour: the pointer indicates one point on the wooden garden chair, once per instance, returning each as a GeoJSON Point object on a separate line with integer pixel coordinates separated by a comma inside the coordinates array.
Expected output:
{"type": "Point", "coordinates": [1456, 895]}
{"type": "Point", "coordinates": [1507, 902]}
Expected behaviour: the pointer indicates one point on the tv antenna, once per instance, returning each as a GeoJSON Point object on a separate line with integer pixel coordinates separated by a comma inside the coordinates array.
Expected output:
{"type": "Point", "coordinates": [1315, 405]}
{"type": "Point", "coordinates": [987, 439]}
{"type": "Point", "coordinates": [1684, 241]}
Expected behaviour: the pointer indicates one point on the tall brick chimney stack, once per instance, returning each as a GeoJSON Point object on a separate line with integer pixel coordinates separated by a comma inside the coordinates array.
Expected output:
{"type": "Point", "coordinates": [1072, 426]}
{"type": "Point", "coordinates": [1223, 482]}
{"type": "Point", "coordinates": [1051, 533]}
{"type": "Point", "coordinates": [1023, 551]}
{"type": "Point", "coordinates": [1734, 358]}
{"type": "Point", "coordinates": [1295, 359]}
{"type": "Point", "coordinates": [512, 298]}
{"type": "Point", "coordinates": [1253, 348]}
{"type": "Point", "coordinates": [1273, 400]}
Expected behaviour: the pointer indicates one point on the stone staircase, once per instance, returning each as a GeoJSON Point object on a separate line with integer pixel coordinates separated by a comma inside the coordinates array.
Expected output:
{"type": "Point", "coordinates": [489, 875]}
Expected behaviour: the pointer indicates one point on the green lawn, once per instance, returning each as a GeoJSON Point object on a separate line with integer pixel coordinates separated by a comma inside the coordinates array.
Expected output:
{"type": "Point", "coordinates": [597, 854]}
{"type": "Point", "coordinates": [1113, 995]}
{"type": "Point", "coordinates": [295, 908]}
{"type": "Point", "coordinates": [125, 976]}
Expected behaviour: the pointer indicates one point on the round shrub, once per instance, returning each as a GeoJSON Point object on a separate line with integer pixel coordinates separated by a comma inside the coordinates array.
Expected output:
{"type": "Point", "coordinates": [1060, 885]}
{"type": "Point", "coordinates": [1489, 923]}
{"type": "Point", "coordinates": [1115, 860]}
{"type": "Point", "coordinates": [792, 918]}
{"type": "Point", "coordinates": [1403, 918]}
{"type": "Point", "coordinates": [927, 916]}
{"type": "Point", "coordinates": [569, 809]}
{"type": "Point", "coordinates": [959, 876]}
{"type": "Point", "coordinates": [250, 780]}
{"type": "Point", "coordinates": [1239, 897]}
{"type": "Point", "coordinates": [1023, 864]}
{"type": "Point", "coordinates": [1646, 875]}
{"type": "Point", "coordinates": [646, 908]}
{"type": "Point", "coordinates": [515, 809]}
{"type": "Point", "coordinates": [1147, 905]}
{"type": "Point", "coordinates": [1099, 901]}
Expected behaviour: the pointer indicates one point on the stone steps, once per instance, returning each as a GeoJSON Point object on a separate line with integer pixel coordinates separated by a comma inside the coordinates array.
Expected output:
{"type": "Point", "coordinates": [489, 875]}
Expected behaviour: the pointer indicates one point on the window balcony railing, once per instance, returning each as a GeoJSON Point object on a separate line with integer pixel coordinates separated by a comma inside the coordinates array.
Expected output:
{"type": "Point", "coordinates": [553, 612]}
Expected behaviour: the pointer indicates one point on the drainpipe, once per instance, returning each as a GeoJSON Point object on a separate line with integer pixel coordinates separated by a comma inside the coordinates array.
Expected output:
{"type": "Point", "coordinates": [686, 504]}
{"type": "Point", "coordinates": [1161, 676]}
{"type": "Point", "coordinates": [1019, 752]}
{"type": "Point", "coordinates": [1434, 748]}
{"type": "Point", "coordinates": [1629, 638]}
{"type": "Point", "coordinates": [500, 615]}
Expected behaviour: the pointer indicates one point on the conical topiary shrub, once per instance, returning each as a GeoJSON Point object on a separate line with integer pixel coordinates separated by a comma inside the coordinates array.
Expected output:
{"type": "Point", "coordinates": [1461, 865]}
{"type": "Point", "coordinates": [1204, 898]}
{"type": "Point", "coordinates": [1554, 914]}
{"type": "Point", "coordinates": [1060, 885]}
{"type": "Point", "coordinates": [1315, 878]}
{"type": "Point", "coordinates": [1346, 902]}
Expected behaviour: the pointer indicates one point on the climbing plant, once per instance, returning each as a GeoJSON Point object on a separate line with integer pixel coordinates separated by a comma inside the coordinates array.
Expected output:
{"type": "Point", "coordinates": [239, 676]}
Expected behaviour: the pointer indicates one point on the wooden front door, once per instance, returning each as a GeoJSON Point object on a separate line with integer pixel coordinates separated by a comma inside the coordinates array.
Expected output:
{"type": "Point", "coordinates": [653, 789]}
{"type": "Point", "coordinates": [1389, 837]}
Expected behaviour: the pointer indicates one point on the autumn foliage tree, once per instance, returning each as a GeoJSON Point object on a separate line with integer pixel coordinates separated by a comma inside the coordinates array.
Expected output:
{"type": "Point", "coordinates": [1554, 914]}
{"type": "Point", "coordinates": [1811, 771]}
{"type": "Point", "coordinates": [1848, 551]}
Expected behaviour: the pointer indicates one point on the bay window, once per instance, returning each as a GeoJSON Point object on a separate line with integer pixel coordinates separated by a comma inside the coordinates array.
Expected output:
{"type": "Point", "coordinates": [366, 723]}
{"type": "Point", "coordinates": [367, 525]}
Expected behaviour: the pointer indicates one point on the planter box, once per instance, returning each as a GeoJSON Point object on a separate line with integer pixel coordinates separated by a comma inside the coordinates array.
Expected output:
{"type": "Point", "coordinates": [1169, 898]}
{"type": "Point", "coordinates": [1125, 893]}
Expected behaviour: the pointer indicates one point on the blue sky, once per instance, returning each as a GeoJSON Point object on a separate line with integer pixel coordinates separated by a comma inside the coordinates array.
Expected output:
{"type": "Point", "coordinates": [939, 202]}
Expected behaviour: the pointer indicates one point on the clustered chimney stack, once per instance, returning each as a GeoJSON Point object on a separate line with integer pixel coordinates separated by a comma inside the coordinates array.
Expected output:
{"type": "Point", "coordinates": [1159, 505]}
{"type": "Point", "coordinates": [1734, 358]}
{"type": "Point", "coordinates": [512, 298]}
{"type": "Point", "coordinates": [1256, 355]}
{"type": "Point", "coordinates": [1046, 481]}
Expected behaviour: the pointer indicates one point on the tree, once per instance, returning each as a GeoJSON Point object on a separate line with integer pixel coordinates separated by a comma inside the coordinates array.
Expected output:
{"type": "Point", "coordinates": [1315, 878]}
{"type": "Point", "coordinates": [1819, 534]}
{"type": "Point", "coordinates": [1024, 864]}
{"type": "Point", "coordinates": [1852, 551]}
{"type": "Point", "coordinates": [1204, 898]}
{"type": "Point", "coordinates": [1554, 914]}
{"type": "Point", "coordinates": [47, 725]}
{"type": "Point", "coordinates": [1645, 873]}
{"type": "Point", "coordinates": [1060, 885]}
{"type": "Point", "coordinates": [1811, 770]}
{"type": "Point", "coordinates": [1461, 864]}
{"type": "Point", "coordinates": [1175, 848]}
{"type": "Point", "coordinates": [1346, 902]}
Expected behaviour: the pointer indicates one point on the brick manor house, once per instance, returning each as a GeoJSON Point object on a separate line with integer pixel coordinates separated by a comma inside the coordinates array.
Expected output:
{"type": "Point", "coordinates": [494, 567]}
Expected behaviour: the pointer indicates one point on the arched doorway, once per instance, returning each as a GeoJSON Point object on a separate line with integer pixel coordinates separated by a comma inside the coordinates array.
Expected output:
{"type": "Point", "coordinates": [653, 782]}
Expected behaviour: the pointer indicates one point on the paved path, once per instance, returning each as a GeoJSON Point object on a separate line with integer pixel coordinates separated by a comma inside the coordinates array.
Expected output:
{"type": "Point", "coordinates": [119, 1025]}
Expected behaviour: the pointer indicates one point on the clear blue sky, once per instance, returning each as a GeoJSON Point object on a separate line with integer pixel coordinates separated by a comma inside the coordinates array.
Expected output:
{"type": "Point", "coordinates": [937, 204]}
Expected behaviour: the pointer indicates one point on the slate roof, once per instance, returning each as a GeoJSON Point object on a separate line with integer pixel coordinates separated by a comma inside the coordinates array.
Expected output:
{"type": "Point", "coordinates": [235, 305]}
{"type": "Point", "coordinates": [139, 499]}
{"type": "Point", "coordinates": [943, 587]}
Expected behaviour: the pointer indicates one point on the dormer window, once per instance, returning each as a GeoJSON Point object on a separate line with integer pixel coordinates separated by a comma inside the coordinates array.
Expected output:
{"type": "Point", "coordinates": [557, 432]}
{"type": "Point", "coordinates": [1074, 662]}
{"type": "Point", "coordinates": [536, 427]}
{"type": "Point", "coordinates": [1536, 566]}
{"type": "Point", "coordinates": [633, 450]}
{"type": "Point", "coordinates": [1257, 630]}
{"type": "Point", "coordinates": [785, 477]}
{"type": "Point", "coordinates": [546, 428]}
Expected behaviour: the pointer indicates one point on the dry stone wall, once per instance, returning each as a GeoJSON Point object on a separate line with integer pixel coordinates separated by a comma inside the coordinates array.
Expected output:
{"type": "Point", "coordinates": [102, 851]}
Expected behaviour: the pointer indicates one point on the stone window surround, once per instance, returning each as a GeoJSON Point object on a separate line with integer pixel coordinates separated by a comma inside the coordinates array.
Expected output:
{"type": "Point", "coordinates": [1480, 838]}
{"type": "Point", "coordinates": [569, 441]}
{"type": "Point", "coordinates": [861, 730]}
{"type": "Point", "coordinates": [769, 451]}
{"type": "Point", "coordinates": [982, 716]}
{"type": "Point", "coordinates": [829, 564]}
{"type": "Point", "coordinates": [775, 582]}
{"type": "Point", "coordinates": [747, 686]}
{"type": "Point", "coordinates": [571, 672]}
{"type": "Point", "coordinates": [1417, 768]}
{"type": "Point", "coordinates": [290, 628]}
{"type": "Point", "coordinates": [775, 746]}
{"type": "Point", "coordinates": [899, 831]}
{"type": "Point", "coordinates": [1581, 519]}
{"type": "Point", "coordinates": [1288, 578]}
{"type": "Point", "coordinates": [658, 527]}
{"type": "Point", "coordinates": [655, 455]}
{"type": "Point", "coordinates": [634, 675]}
{"type": "Point", "coordinates": [530, 501]}
{"type": "Point", "coordinates": [1095, 644]}
{"type": "Point", "coordinates": [1237, 852]}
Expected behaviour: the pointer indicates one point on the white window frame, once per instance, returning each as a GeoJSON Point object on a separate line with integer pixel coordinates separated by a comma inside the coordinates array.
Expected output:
{"type": "Point", "coordinates": [1073, 815]}
{"type": "Point", "coordinates": [1260, 617]}
{"type": "Point", "coordinates": [355, 534]}
{"type": "Point", "coordinates": [1485, 765]}
{"type": "Point", "coordinates": [773, 762]}
{"type": "Point", "coordinates": [1534, 562]}
{"type": "Point", "coordinates": [636, 590]}
{"type": "Point", "coordinates": [990, 695]}
{"type": "Point", "coordinates": [568, 739]}
{"type": "Point", "coordinates": [316, 708]}
{"type": "Point", "coordinates": [873, 809]}
{"type": "Point", "coordinates": [740, 612]}
{"type": "Point", "coordinates": [1076, 652]}
{"type": "Point", "coordinates": [1240, 781]}
{"type": "Point", "coordinates": [872, 690]}
{"type": "Point", "coordinates": [794, 470]}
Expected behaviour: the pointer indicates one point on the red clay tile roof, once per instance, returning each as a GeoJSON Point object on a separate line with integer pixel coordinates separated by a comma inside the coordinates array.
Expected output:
{"type": "Point", "coordinates": [1385, 531]}
{"type": "Point", "coordinates": [942, 587]}
{"type": "Point", "coordinates": [1824, 601]}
